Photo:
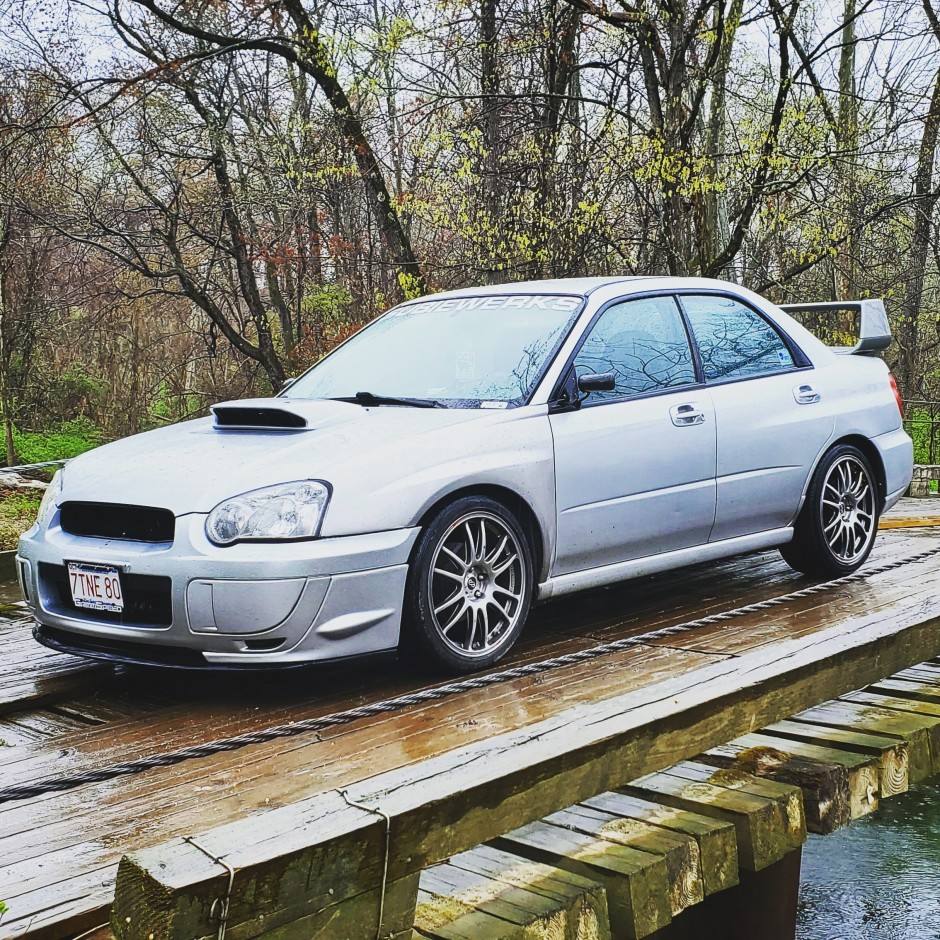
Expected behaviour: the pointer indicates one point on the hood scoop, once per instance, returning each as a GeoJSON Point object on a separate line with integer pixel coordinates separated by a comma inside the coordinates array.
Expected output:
{"type": "Point", "coordinates": [249, 416]}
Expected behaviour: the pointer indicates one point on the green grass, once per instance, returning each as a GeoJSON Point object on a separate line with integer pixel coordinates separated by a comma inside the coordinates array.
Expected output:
{"type": "Point", "coordinates": [67, 440]}
{"type": "Point", "coordinates": [17, 513]}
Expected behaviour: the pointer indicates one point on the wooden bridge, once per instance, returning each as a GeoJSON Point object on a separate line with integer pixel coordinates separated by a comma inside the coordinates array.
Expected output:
{"type": "Point", "coordinates": [608, 783]}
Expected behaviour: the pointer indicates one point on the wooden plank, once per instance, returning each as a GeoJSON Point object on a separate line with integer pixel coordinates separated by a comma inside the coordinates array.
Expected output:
{"type": "Point", "coordinates": [636, 883]}
{"type": "Point", "coordinates": [891, 754]}
{"type": "Point", "coordinates": [716, 839]}
{"type": "Point", "coordinates": [679, 851]}
{"type": "Point", "coordinates": [767, 816]}
{"type": "Point", "coordinates": [488, 893]}
{"type": "Point", "coordinates": [838, 786]}
{"type": "Point", "coordinates": [444, 805]}
{"type": "Point", "coordinates": [921, 734]}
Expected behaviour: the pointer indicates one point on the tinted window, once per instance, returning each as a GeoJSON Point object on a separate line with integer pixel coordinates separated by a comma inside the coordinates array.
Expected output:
{"type": "Point", "coordinates": [734, 340]}
{"type": "Point", "coordinates": [644, 343]}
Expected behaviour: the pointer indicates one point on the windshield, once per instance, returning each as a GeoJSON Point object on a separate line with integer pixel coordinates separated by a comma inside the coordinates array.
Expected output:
{"type": "Point", "coordinates": [466, 352]}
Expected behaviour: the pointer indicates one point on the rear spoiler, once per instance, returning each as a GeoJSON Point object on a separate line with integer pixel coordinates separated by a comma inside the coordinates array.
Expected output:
{"type": "Point", "coordinates": [874, 331]}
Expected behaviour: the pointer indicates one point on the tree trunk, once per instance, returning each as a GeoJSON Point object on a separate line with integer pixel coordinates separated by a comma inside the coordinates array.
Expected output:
{"type": "Point", "coordinates": [909, 370]}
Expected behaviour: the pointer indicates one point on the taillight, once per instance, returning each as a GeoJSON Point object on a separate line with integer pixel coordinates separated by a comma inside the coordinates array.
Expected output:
{"type": "Point", "coordinates": [897, 393]}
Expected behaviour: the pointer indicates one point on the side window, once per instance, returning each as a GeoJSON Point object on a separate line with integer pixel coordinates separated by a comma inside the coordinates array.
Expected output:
{"type": "Point", "coordinates": [734, 340]}
{"type": "Point", "coordinates": [644, 343]}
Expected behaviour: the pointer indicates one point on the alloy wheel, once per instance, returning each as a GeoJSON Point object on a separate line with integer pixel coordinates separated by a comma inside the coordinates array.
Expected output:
{"type": "Point", "coordinates": [847, 509]}
{"type": "Point", "coordinates": [477, 584]}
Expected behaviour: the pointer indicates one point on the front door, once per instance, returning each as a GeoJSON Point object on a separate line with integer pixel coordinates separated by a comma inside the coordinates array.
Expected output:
{"type": "Point", "coordinates": [635, 467]}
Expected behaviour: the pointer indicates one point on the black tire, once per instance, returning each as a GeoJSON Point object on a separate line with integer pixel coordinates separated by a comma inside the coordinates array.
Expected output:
{"type": "Point", "coordinates": [477, 547]}
{"type": "Point", "coordinates": [836, 528]}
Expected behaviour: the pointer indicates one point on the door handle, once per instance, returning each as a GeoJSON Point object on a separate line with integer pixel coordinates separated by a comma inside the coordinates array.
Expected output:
{"type": "Point", "coordinates": [806, 395]}
{"type": "Point", "coordinates": [684, 416]}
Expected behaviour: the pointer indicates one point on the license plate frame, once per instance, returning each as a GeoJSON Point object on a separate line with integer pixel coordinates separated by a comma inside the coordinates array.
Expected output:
{"type": "Point", "coordinates": [98, 586]}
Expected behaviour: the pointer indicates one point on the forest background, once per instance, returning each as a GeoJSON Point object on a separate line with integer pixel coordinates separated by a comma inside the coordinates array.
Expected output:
{"type": "Point", "coordinates": [199, 198]}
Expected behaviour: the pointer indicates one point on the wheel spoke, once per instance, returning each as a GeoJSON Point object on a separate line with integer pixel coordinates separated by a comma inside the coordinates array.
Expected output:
{"type": "Point", "coordinates": [450, 601]}
{"type": "Point", "coordinates": [485, 620]}
{"type": "Point", "coordinates": [481, 552]}
{"type": "Point", "coordinates": [473, 628]}
{"type": "Point", "coordinates": [508, 563]}
{"type": "Point", "coordinates": [453, 555]}
{"type": "Point", "coordinates": [499, 550]}
{"type": "Point", "coordinates": [454, 620]}
{"type": "Point", "coordinates": [498, 588]}
{"type": "Point", "coordinates": [471, 545]}
{"type": "Point", "coordinates": [444, 573]}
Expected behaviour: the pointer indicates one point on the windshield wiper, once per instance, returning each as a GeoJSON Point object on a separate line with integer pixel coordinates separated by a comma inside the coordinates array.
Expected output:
{"type": "Point", "coordinates": [370, 398]}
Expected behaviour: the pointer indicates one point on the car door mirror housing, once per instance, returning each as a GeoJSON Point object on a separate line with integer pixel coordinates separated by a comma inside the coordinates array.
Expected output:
{"type": "Point", "coordinates": [597, 382]}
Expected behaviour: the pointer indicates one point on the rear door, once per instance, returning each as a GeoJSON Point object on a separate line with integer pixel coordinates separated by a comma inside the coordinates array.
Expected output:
{"type": "Point", "coordinates": [635, 467]}
{"type": "Point", "coordinates": [771, 417]}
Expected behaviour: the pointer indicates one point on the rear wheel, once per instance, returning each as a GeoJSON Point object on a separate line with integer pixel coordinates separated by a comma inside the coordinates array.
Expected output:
{"type": "Point", "coordinates": [470, 586]}
{"type": "Point", "coordinates": [836, 528]}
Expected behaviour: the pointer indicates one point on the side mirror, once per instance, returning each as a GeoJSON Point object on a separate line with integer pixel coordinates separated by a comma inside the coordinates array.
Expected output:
{"type": "Point", "coordinates": [287, 383]}
{"type": "Point", "coordinates": [597, 382]}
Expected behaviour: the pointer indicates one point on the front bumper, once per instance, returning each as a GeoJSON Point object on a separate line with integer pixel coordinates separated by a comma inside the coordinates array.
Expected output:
{"type": "Point", "coordinates": [251, 604]}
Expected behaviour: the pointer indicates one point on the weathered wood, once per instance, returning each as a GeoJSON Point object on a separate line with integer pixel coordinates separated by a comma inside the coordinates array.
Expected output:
{"type": "Point", "coordinates": [916, 731]}
{"type": "Point", "coordinates": [716, 839]}
{"type": "Point", "coordinates": [353, 917]}
{"type": "Point", "coordinates": [891, 754]}
{"type": "Point", "coordinates": [767, 816]}
{"type": "Point", "coordinates": [680, 851]}
{"type": "Point", "coordinates": [488, 893]}
{"type": "Point", "coordinates": [838, 786]}
{"type": "Point", "coordinates": [636, 883]}
{"type": "Point", "coordinates": [443, 805]}
{"type": "Point", "coordinates": [908, 684]}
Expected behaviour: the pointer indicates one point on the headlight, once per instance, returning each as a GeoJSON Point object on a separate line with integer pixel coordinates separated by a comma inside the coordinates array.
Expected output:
{"type": "Point", "coordinates": [273, 513]}
{"type": "Point", "coordinates": [49, 500]}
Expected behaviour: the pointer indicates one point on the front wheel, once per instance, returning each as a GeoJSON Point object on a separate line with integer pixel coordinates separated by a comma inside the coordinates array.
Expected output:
{"type": "Point", "coordinates": [836, 528]}
{"type": "Point", "coordinates": [470, 586]}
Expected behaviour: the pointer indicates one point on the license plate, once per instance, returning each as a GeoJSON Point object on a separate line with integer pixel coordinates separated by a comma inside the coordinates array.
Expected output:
{"type": "Point", "coordinates": [96, 587]}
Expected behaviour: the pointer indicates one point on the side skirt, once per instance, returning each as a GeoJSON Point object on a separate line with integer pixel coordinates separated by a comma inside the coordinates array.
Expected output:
{"type": "Point", "coordinates": [652, 564]}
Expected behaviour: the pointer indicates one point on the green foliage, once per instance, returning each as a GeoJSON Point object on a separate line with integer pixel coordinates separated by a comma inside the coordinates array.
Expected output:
{"type": "Point", "coordinates": [328, 304]}
{"type": "Point", "coordinates": [17, 513]}
{"type": "Point", "coordinates": [925, 433]}
{"type": "Point", "coordinates": [69, 439]}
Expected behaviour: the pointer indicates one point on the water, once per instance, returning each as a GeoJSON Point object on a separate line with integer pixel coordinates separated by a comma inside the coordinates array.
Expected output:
{"type": "Point", "coordinates": [878, 879]}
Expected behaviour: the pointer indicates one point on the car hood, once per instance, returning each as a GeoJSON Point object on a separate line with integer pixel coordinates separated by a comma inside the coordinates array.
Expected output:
{"type": "Point", "coordinates": [194, 465]}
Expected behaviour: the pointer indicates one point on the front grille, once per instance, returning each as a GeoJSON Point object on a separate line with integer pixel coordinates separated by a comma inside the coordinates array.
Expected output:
{"type": "Point", "coordinates": [147, 600]}
{"type": "Point", "coordinates": [115, 521]}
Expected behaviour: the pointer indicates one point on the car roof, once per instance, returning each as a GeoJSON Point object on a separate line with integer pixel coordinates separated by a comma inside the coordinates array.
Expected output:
{"type": "Point", "coordinates": [582, 286]}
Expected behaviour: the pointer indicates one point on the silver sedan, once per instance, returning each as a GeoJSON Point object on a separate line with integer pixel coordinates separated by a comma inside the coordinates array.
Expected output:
{"type": "Point", "coordinates": [462, 457]}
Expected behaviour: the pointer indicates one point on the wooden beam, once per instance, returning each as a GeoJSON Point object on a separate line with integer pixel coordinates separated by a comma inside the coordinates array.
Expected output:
{"type": "Point", "coordinates": [838, 786]}
{"type": "Point", "coordinates": [636, 883]}
{"type": "Point", "coordinates": [920, 734]}
{"type": "Point", "coordinates": [680, 851]}
{"type": "Point", "coordinates": [767, 816]}
{"type": "Point", "coordinates": [716, 839]}
{"type": "Point", "coordinates": [891, 753]}
{"type": "Point", "coordinates": [487, 893]}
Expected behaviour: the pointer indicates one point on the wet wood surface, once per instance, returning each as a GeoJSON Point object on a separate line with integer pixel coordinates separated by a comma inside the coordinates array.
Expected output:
{"type": "Point", "coordinates": [60, 852]}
